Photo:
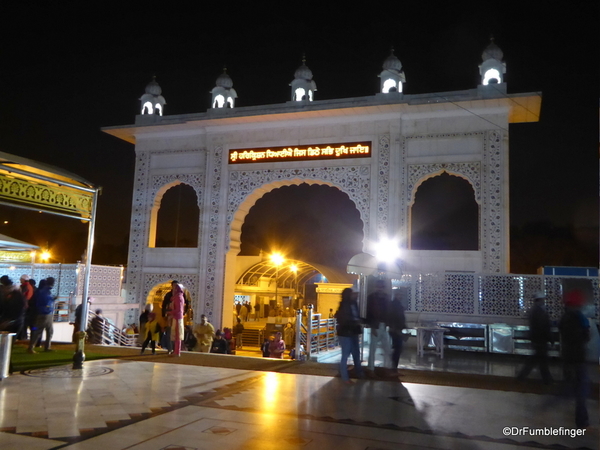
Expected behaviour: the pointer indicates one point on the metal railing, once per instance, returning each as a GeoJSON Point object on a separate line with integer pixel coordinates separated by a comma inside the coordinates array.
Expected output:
{"type": "Point", "coordinates": [105, 333]}
{"type": "Point", "coordinates": [314, 335]}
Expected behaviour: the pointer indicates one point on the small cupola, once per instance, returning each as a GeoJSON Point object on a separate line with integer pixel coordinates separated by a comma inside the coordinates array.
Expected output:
{"type": "Point", "coordinates": [223, 94]}
{"type": "Point", "coordinates": [152, 101]}
{"type": "Point", "coordinates": [303, 86]}
{"type": "Point", "coordinates": [492, 68]}
{"type": "Point", "coordinates": [392, 76]}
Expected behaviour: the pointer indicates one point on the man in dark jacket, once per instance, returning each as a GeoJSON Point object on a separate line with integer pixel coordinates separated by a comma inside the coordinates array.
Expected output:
{"type": "Point", "coordinates": [575, 334]}
{"type": "Point", "coordinates": [378, 304]}
{"type": "Point", "coordinates": [238, 332]}
{"type": "Point", "coordinates": [540, 335]}
{"type": "Point", "coordinates": [12, 306]}
{"type": "Point", "coordinates": [44, 302]}
{"type": "Point", "coordinates": [397, 323]}
{"type": "Point", "coordinates": [219, 345]}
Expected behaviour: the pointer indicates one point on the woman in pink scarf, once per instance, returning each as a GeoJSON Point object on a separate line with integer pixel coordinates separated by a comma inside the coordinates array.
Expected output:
{"type": "Point", "coordinates": [176, 314]}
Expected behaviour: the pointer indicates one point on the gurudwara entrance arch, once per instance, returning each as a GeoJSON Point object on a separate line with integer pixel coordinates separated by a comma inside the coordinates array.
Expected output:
{"type": "Point", "coordinates": [378, 150]}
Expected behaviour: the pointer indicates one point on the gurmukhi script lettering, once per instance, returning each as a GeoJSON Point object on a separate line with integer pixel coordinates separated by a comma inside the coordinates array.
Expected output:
{"type": "Point", "coordinates": [331, 151]}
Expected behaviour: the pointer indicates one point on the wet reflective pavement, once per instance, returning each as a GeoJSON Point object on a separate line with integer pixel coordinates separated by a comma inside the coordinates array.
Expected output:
{"type": "Point", "coordinates": [125, 404]}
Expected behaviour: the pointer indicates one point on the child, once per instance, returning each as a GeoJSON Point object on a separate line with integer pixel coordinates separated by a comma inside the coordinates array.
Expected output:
{"type": "Point", "coordinates": [152, 333]}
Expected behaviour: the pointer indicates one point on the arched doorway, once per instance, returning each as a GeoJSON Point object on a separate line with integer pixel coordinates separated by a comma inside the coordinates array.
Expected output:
{"type": "Point", "coordinates": [305, 208]}
{"type": "Point", "coordinates": [156, 296]}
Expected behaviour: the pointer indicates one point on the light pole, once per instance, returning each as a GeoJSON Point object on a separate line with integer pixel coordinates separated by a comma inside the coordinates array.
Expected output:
{"type": "Point", "coordinates": [277, 259]}
{"type": "Point", "coordinates": [294, 268]}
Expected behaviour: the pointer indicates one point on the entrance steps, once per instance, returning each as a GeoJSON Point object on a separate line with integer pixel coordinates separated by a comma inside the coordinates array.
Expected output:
{"type": "Point", "coordinates": [253, 334]}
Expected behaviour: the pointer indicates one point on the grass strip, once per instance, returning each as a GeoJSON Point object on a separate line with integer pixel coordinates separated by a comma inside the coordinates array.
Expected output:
{"type": "Point", "coordinates": [62, 354]}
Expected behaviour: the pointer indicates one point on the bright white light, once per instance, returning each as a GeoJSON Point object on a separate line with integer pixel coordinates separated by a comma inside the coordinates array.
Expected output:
{"type": "Point", "coordinates": [219, 101]}
{"type": "Point", "coordinates": [310, 96]}
{"type": "Point", "coordinates": [491, 74]}
{"type": "Point", "coordinates": [159, 107]}
{"type": "Point", "coordinates": [147, 108]}
{"type": "Point", "coordinates": [299, 94]}
{"type": "Point", "coordinates": [387, 250]}
{"type": "Point", "coordinates": [387, 85]}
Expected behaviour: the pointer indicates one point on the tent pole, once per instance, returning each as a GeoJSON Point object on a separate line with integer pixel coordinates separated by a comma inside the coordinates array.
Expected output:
{"type": "Point", "coordinates": [79, 355]}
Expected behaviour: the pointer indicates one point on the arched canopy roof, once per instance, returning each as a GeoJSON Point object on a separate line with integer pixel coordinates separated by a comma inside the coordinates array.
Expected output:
{"type": "Point", "coordinates": [305, 271]}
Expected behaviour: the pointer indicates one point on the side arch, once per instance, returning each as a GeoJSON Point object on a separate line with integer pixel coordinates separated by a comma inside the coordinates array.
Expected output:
{"type": "Point", "coordinates": [445, 215]}
{"type": "Point", "coordinates": [420, 173]}
{"type": "Point", "coordinates": [158, 195]}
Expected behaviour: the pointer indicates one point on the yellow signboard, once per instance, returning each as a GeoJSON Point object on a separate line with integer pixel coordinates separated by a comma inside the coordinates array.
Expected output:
{"type": "Point", "coordinates": [20, 257]}
{"type": "Point", "coordinates": [300, 153]}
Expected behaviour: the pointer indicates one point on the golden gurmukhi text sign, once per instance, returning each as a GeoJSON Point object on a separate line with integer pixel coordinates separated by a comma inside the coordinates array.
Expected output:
{"type": "Point", "coordinates": [300, 153]}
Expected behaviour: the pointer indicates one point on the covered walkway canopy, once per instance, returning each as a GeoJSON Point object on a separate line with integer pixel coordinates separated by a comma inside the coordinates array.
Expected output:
{"type": "Point", "coordinates": [36, 186]}
{"type": "Point", "coordinates": [29, 184]}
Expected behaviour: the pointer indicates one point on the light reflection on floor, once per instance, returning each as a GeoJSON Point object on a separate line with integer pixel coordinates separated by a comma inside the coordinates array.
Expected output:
{"type": "Point", "coordinates": [147, 405]}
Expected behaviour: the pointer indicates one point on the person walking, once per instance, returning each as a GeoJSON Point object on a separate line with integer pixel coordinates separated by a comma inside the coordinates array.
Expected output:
{"type": "Point", "coordinates": [176, 312]}
{"type": "Point", "coordinates": [575, 333]}
{"type": "Point", "coordinates": [244, 312]}
{"type": "Point", "coordinates": [97, 328]}
{"type": "Point", "coordinates": [143, 321]}
{"type": "Point", "coordinates": [12, 306]}
{"type": "Point", "coordinates": [289, 335]}
{"type": "Point", "coordinates": [27, 292]}
{"type": "Point", "coordinates": [77, 323]}
{"type": "Point", "coordinates": [204, 332]}
{"type": "Point", "coordinates": [378, 304]}
{"type": "Point", "coordinates": [539, 335]}
{"type": "Point", "coordinates": [397, 323]}
{"type": "Point", "coordinates": [152, 333]}
{"type": "Point", "coordinates": [165, 308]}
{"type": "Point", "coordinates": [238, 332]}
{"type": "Point", "coordinates": [44, 303]}
{"type": "Point", "coordinates": [256, 311]}
{"type": "Point", "coordinates": [349, 328]}
{"type": "Point", "coordinates": [31, 312]}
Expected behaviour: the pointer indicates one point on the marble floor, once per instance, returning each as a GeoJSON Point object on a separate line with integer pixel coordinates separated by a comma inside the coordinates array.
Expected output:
{"type": "Point", "coordinates": [118, 404]}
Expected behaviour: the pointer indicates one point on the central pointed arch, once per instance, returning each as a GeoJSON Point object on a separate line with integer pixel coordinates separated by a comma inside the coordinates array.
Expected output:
{"type": "Point", "coordinates": [237, 217]}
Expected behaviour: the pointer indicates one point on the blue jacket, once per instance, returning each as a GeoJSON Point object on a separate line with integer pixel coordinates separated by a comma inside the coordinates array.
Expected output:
{"type": "Point", "coordinates": [44, 301]}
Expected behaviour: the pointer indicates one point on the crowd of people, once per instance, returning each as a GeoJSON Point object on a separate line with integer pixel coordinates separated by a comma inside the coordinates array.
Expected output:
{"type": "Point", "coordinates": [28, 310]}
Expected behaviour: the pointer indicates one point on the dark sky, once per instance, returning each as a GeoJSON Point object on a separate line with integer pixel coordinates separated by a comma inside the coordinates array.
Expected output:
{"type": "Point", "coordinates": [70, 68]}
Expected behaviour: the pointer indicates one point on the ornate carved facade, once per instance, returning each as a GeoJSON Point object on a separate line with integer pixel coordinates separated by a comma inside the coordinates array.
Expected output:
{"type": "Point", "coordinates": [410, 139]}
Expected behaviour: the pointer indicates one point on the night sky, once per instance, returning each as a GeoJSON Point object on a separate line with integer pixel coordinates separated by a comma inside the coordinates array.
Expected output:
{"type": "Point", "coordinates": [69, 69]}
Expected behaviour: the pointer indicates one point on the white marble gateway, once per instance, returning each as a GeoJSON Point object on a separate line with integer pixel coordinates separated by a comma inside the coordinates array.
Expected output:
{"type": "Point", "coordinates": [378, 150]}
